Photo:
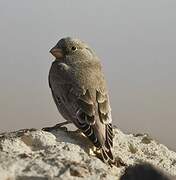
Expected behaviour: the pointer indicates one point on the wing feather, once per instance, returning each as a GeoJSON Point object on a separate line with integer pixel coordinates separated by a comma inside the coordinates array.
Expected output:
{"type": "Point", "coordinates": [97, 126]}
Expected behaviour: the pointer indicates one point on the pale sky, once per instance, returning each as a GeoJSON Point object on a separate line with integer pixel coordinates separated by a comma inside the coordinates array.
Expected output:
{"type": "Point", "coordinates": [136, 41]}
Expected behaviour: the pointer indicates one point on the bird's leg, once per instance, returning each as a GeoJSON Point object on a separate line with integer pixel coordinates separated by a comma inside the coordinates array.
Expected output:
{"type": "Point", "coordinates": [77, 131]}
{"type": "Point", "coordinates": [57, 126]}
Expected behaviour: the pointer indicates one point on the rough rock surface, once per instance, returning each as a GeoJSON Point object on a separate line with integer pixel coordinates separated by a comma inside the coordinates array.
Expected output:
{"type": "Point", "coordinates": [60, 154]}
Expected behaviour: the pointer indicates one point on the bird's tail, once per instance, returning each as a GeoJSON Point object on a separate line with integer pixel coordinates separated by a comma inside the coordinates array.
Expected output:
{"type": "Point", "coordinates": [104, 145]}
{"type": "Point", "coordinates": [106, 149]}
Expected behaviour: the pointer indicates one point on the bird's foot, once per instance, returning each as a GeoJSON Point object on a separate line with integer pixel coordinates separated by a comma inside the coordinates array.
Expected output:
{"type": "Point", "coordinates": [78, 131]}
{"type": "Point", "coordinates": [57, 126]}
{"type": "Point", "coordinates": [92, 151]}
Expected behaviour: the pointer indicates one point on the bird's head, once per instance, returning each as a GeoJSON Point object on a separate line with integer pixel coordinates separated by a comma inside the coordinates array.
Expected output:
{"type": "Point", "coordinates": [69, 46]}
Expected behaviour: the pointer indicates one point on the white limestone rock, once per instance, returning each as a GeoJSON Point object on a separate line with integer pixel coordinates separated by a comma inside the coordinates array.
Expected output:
{"type": "Point", "coordinates": [38, 155]}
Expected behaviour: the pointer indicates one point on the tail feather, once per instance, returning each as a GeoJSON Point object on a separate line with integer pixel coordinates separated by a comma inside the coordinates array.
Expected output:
{"type": "Point", "coordinates": [109, 136]}
{"type": "Point", "coordinates": [108, 145]}
{"type": "Point", "coordinates": [107, 155]}
{"type": "Point", "coordinates": [90, 131]}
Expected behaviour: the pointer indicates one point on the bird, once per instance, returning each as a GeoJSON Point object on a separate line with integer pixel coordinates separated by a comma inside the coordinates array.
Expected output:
{"type": "Point", "coordinates": [79, 90]}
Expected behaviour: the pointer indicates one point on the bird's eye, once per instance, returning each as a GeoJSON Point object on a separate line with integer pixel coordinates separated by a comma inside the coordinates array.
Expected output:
{"type": "Point", "coordinates": [74, 48]}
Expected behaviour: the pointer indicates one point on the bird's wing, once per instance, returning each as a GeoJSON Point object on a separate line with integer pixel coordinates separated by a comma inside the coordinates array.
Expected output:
{"type": "Point", "coordinates": [88, 104]}
{"type": "Point", "coordinates": [94, 119]}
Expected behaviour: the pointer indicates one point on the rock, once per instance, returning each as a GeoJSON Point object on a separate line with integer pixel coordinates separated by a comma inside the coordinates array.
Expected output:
{"type": "Point", "coordinates": [144, 171]}
{"type": "Point", "coordinates": [32, 154]}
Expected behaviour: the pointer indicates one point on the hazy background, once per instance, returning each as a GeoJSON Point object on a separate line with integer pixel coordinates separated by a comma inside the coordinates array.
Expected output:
{"type": "Point", "coordinates": [136, 41]}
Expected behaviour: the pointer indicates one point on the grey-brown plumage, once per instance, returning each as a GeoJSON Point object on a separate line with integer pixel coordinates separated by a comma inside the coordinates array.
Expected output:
{"type": "Point", "coordinates": [79, 91]}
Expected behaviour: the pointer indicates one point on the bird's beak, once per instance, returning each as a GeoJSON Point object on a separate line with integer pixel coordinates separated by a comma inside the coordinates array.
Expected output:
{"type": "Point", "coordinates": [57, 52]}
